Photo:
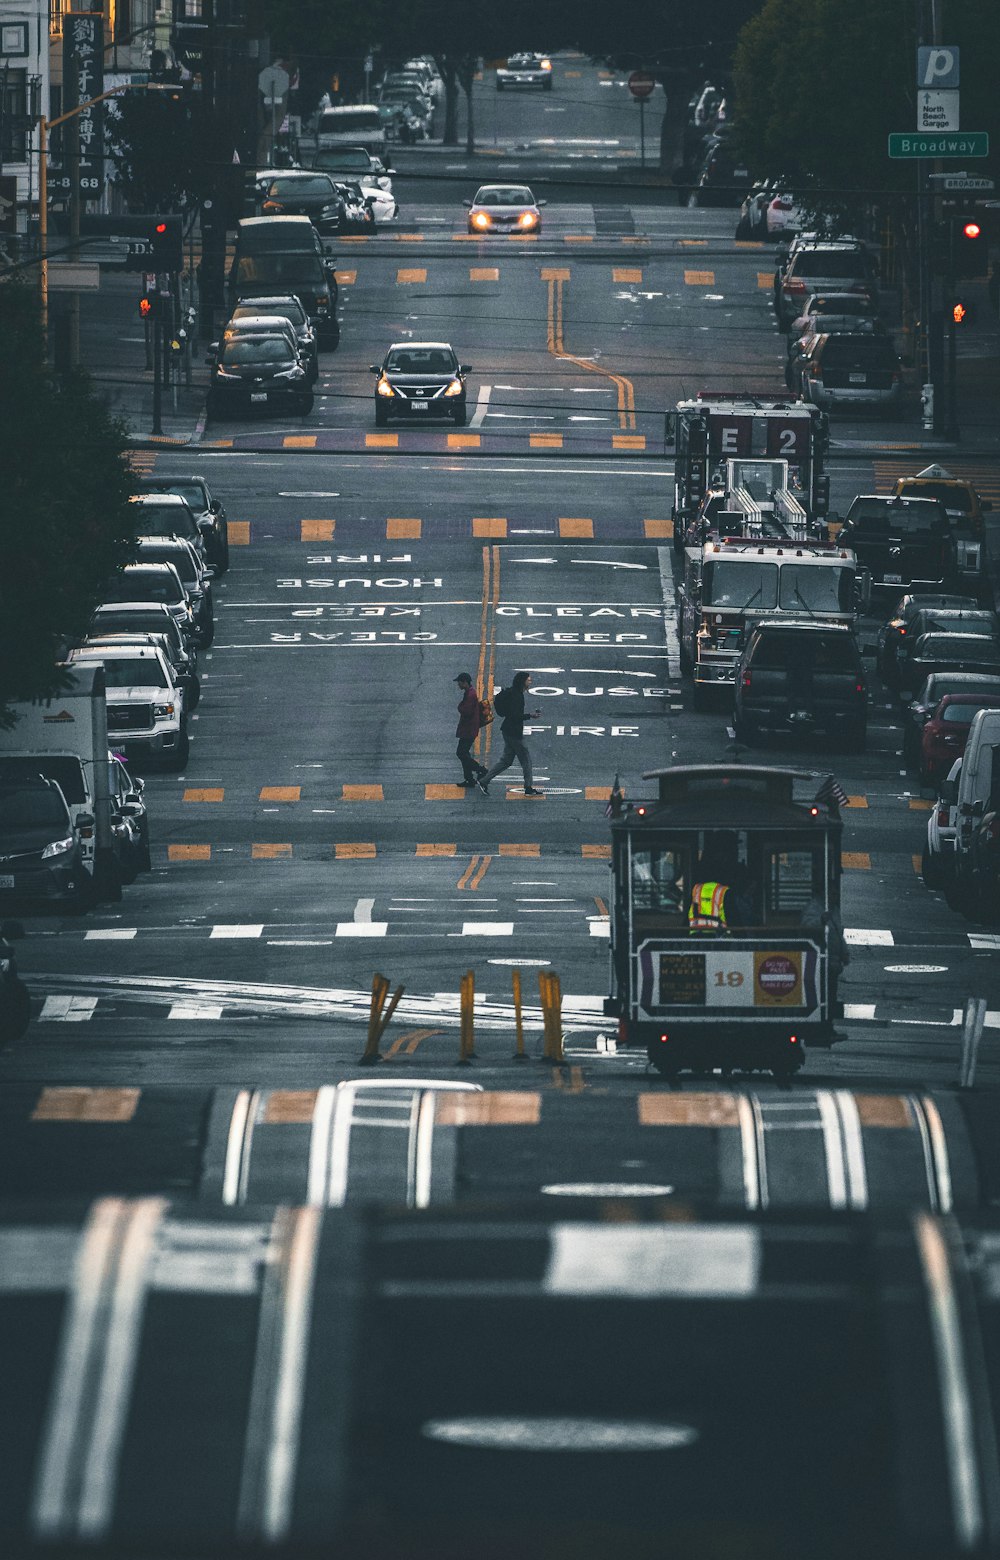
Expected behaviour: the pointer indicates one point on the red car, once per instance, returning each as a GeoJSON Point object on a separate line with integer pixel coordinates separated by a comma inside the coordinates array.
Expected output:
{"type": "Point", "coordinates": [946, 733]}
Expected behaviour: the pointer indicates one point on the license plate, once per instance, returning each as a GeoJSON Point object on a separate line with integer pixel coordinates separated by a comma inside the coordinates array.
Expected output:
{"type": "Point", "coordinates": [420, 406]}
{"type": "Point", "coordinates": [892, 579]}
{"type": "Point", "coordinates": [858, 379]}
{"type": "Point", "coordinates": [741, 173]}
{"type": "Point", "coordinates": [258, 395]}
{"type": "Point", "coordinates": [6, 881]}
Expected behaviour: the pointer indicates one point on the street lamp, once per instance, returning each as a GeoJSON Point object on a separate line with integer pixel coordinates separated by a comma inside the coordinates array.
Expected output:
{"type": "Point", "coordinates": [44, 126]}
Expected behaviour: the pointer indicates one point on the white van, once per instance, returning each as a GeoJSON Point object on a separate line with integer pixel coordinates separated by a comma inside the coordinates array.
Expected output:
{"type": "Point", "coordinates": [979, 782]}
{"type": "Point", "coordinates": [356, 124]}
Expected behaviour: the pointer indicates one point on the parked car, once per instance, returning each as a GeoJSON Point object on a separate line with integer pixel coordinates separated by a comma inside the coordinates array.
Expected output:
{"type": "Point", "coordinates": [946, 732]}
{"type": "Point", "coordinates": [258, 373]}
{"type": "Point", "coordinates": [938, 620]}
{"type": "Point", "coordinates": [819, 306]}
{"type": "Point", "coordinates": [525, 70]}
{"type": "Point", "coordinates": [927, 698]}
{"type": "Point", "coordinates": [802, 678]}
{"type": "Point", "coordinates": [276, 234]}
{"type": "Point", "coordinates": [184, 669]}
{"type": "Point", "coordinates": [965, 509]}
{"type": "Point", "coordinates": [855, 370]}
{"type": "Point", "coordinates": [305, 275]}
{"type": "Point", "coordinates": [305, 193]}
{"type": "Point", "coordinates": [822, 265]}
{"type": "Point", "coordinates": [167, 514]}
{"type": "Point", "coordinates": [420, 379]}
{"type": "Point", "coordinates": [353, 165]}
{"type": "Point", "coordinates": [250, 324]}
{"type": "Point", "coordinates": [977, 846]}
{"type": "Point", "coordinates": [504, 208]}
{"type": "Point", "coordinates": [130, 618]}
{"type": "Point", "coordinates": [897, 626]}
{"type": "Point", "coordinates": [153, 582]}
{"type": "Point", "coordinates": [937, 865]}
{"type": "Point", "coordinates": [903, 542]}
{"type": "Point", "coordinates": [722, 177]}
{"type": "Point", "coordinates": [41, 853]}
{"type": "Point", "coordinates": [952, 653]}
{"type": "Point", "coordinates": [129, 819]}
{"type": "Point", "coordinates": [146, 715]}
{"type": "Point", "coordinates": [195, 576]}
{"type": "Point", "coordinates": [354, 124]}
{"type": "Point", "coordinates": [210, 516]}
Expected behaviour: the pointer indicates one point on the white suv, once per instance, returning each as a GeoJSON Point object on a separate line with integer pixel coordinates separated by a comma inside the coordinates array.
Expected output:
{"type": "Point", "coordinates": [146, 714]}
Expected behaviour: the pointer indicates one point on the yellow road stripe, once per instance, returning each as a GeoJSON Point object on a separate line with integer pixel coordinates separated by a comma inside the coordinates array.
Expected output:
{"type": "Point", "coordinates": [444, 793]}
{"type": "Point", "coordinates": [362, 793]}
{"type": "Point", "coordinates": [694, 243]}
{"type": "Point", "coordinates": [497, 1108]}
{"type": "Point", "coordinates": [189, 852]}
{"type": "Point", "coordinates": [299, 441]}
{"type": "Point", "coordinates": [856, 801]}
{"type": "Point", "coordinates": [403, 530]}
{"type": "Point", "coordinates": [595, 852]}
{"type": "Point", "coordinates": [855, 861]}
{"type": "Point", "coordinates": [555, 278]}
{"type": "Point", "coordinates": [289, 1107]}
{"type": "Point", "coordinates": [436, 850]}
{"type": "Point", "coordinates": [346, 278]}
{"type": "Point", "coordinates": [316, 530]}
{"type": "Point", "coordinates": [356, 851]}
{"type": "Point", "coordinates": [545, 441]}
{"type": "Point", "coordinates": [578, 238]}
{"type": "Point", "coordinates": [626, 273]}
{"type": "Point", "coordinates": [353, 238]}
{"type": "Point", "coordinates": [464, 441]}
{"type": "Point", "coordinates": [204, 793]}
{"type": "Point", "coordinates": [407, 275]}
{"type": "Point", "coordinates": [269, 852]}
{"type": "Point", "coordinates": [408, 238]}
{"type": "Point", "coordinates": [280, 793]}
{"type": "Point", "coordinates": [699, 278]}
{"type": "Point", "coordinates": [486, 526]}
{"type": "Point", "coordinates": [551, 273]}
{"type": "Point", "coordinates": [72, 1104]}
{"type": "Point", "coordinates": [478, 876]}
{"type": "Point", "coordinates": [375, 441]}
{"type": "Point", "coordinates": [410, 1040]}
{"type": "Point", "coordinates": [239, 533]}
{"type": "Point", "coordinates": [883, 1110]}
{"type": "Point", "coordinates": [628, 441]}
{"type": "Point", "coordinates": [918, 865]}
{"type": "Point", "coordinates": [749, 243]}
{"type": "Point", "coordinates": [576, 528]}
{"type": "Point", "coordinates": [657, 529]}
{"type": "Point", "coordinates": [484, 273]}
{"type": "Point", "coordinates": [765, 279]}
{"type": "Point", "coordinates": [602, 908]}
{"type": "Point", "coordinates": [917, 804]}
{"type": "Point", "coordinates": [520, 850]}
{"type": "Point", "coordinates": [596, 793]}
{"type": "Point", "coordinates": [688, 1110]}
{"type": "Point", "coordinates": [463, 880]}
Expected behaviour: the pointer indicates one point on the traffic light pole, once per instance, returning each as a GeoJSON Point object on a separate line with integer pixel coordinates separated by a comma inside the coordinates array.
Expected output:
{"type": "Point", "coordinates": [157, 362]}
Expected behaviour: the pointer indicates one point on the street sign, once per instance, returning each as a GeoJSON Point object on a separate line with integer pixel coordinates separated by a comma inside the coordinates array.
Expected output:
{"type": "Point", "coordinates": [273, 81]}
{"type": "Point", "coordinates": [937, 111]}
{"type": "Point", "coordinates": [944, 143]}
{"type": "Point", "coordinates": [937, 65]}
{"type": "Point", "coordinates": [953, 181]}
{"type": "Point", "coordinates": [83, 79]}
{"type": "Point", "coordinates": [70, 276]}
{"type": "Point", "coordinates": [641, 83]}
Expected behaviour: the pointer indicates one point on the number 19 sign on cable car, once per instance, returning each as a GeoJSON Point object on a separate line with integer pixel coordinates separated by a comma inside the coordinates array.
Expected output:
{"type": "Point", "coordinates": [641, 84]}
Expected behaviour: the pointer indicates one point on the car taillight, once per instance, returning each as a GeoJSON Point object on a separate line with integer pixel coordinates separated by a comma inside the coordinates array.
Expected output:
{"type": "Point", "coordinates": [942, 817]}
{"type": "Point", "coordinates": [793, 284]}
{"type": "Point", "coordinates": [746, 678]}
{"type": "Point", "coordinates": [859, 688]}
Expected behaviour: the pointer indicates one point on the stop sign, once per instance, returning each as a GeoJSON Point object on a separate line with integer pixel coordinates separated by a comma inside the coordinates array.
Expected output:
{"type": "Point", "coordinates": [641, 83]}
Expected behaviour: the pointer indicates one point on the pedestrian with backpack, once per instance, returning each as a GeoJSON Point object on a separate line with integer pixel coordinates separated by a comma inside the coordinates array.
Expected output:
{"type": "Point", "coordinates": [470, 719]}
{"type": "Point", "coordinates": [509, 703]}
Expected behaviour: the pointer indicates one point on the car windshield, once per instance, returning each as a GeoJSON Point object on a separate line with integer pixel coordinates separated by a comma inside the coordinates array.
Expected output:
{"type": "Point", "coordinates": [347, 123]}
{"type": "Point", "coordinates": [289, 189]}
{"type": "Point", "coordinates": [141, 585]}
{"type": "Point", "coordinates": [165, 520]}
{"type": "Point", "coordinates": [741, 583]}
{"type": "Point", "coordinates": [876, 518]}
{"type": "Point", "coordinates": [351, 159]}
{"type": "Point", "coordinates": [509, 195]}
{"type": "Point", "coordinates": [180, 557]}
{"type": "Point", "coordinates": [256, 349]}
{"type": "Point", "coordinates": [821, 652]}
{"type": "Point", "coordinates": [962, 714]}
{"type": "Point", "coordinates": [840, 303]}
{"type": "Point", "coordinates": [33, 809]}
{"type": "Point", "coordinates": [959, 647]}
{"type": "Point", "coordinates": [816, 589]}
{"type": "Point", "coordinates": [135, 622]}
{"type": "Point", "coordinates": [65, 769]}
{"type": "Point", "coordinates": [140, 673]}
{"type": "Point", "coordinates": [193, 494]}
{"type": "Point", "coordinates": [951, 497]}
{"type": "Point", "coordinates": [414, 360]}
{"type": "Point", "coordinates": [300, 269]}
{"type": "Point", "coordinates": [828, 262]}
{"type": "Point", "coordinates": [849, 352]}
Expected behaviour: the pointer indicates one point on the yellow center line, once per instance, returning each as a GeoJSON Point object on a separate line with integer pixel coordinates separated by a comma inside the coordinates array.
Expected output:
{"type": "Point", "coordinates": [601, 906]}
{"type": "Point", "coordinates": [411, 1039]}
{"type": "Point", "coordinates": [484, 868]}
{"type": "Point", "coordinates": [555, 343]}
{"type": "Point", "coordinates": [464, 879]}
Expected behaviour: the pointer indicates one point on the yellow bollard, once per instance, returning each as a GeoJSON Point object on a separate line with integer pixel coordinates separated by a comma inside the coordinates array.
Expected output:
{"type": "Point", "coordinates": [380, 989]}
{"type": "Point", "coordinates": [550, 990]}
{"type": "Point", "coordinates": [466, 1033]}
{"type": "Point", "coordinates": [515, 981]}
{"type": "Point", "coordinates": [393, 1005]}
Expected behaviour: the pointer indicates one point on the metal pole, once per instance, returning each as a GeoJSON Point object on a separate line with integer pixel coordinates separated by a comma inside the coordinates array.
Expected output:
{"type": "Point", "coordinates": [642, 133]}
{"type": "Point", "coordinates": [972, 1033]}
{"type": "Point", "coordinates": [157, 355]}
{"type": "Point", "coordinates": [43, 223]}
{"type": "Point", "coordinates": [515, 981]}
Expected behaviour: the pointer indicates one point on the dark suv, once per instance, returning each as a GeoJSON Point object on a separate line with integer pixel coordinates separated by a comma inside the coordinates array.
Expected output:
{"type": "Point", "coordinates": [802, 678]}
{"type": "Point", "coordinates": [904, 543]}
{"type": "Point", "coordinates": [41, 857]}
{"type": "Point", "coordinates": [309, 277]}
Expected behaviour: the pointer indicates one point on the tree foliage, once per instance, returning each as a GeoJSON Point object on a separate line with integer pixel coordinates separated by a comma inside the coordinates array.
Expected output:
{"type": "Point", "coordinates": [158, 150]}
{"type": "Point", "coordinates": [65, 523]}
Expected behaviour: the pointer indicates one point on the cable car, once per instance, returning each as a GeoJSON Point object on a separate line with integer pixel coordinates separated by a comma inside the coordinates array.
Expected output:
{"type": "Point", "coordinates": [726, 941]}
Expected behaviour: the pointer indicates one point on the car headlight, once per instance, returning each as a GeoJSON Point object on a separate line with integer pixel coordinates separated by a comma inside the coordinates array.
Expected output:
{"type": "Point", "coordinates": [482, 219]}
{"type": "Point", "coordinates": [527, 219]}
{"type": "Point", "coordinates": [290, 373]}
{"type": "Point", "coordinates": [223, 373]}
{"type": "Point", "coordinates": [383, 184]}
{"type": "Point", "coordinates": [272, 206]}
{"type": "Point", "coordinates": [455, 388]}
{"type": "Point", "coordinates": [163, 711]}
{"type": "Point", "coordinates": [383, 387]}
{"type": "Point", "coordinates": [58, 848]}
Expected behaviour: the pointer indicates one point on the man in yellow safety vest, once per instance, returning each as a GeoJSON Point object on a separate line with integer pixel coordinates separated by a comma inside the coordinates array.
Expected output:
{"type": "Point", "coordinates": [707, 911]}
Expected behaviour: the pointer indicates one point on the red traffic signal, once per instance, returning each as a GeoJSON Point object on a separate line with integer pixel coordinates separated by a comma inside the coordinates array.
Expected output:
{"type": "Point", "coordinates": [146, 306]}
{"type": "Point", "coordinates": [971, 230]}
{"type": "Point", "coordinates": [166, 244]}
{"type": "Point", "coordinates": [970, 248]}
{"type": "Point", "coordinates": [962, 313]}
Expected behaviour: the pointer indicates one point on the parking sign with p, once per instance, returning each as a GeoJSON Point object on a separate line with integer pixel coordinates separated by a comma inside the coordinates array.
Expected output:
{"type": "Point", "coordinates": [937, 65]}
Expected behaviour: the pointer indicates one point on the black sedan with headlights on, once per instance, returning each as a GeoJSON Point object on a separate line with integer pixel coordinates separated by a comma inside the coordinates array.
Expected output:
{"type": "Point", "coordinates": [300, 193]}
{"type": "Point", "coordinates": [420, 380]}
{"type": "Point", "coordinates": [258, 372]}
{"type": "Point", "coordinates": [504, 208]}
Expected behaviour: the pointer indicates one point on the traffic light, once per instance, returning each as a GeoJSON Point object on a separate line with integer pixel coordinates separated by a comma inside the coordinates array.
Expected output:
{"type": "Point", "coordinates": [969, 247]}
{"type": "Point", "coordinates": [962, 312]}
{"type": "Point", "coordinates": [147, 306]}
{"type": "Point", "coordinates": [166, 244]}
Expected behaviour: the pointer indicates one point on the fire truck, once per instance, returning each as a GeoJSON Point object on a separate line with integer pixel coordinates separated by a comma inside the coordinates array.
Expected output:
{"type": "Point", "coordinates": [712, 429]}
{"type": "Point", "coordinates": [758, 558]}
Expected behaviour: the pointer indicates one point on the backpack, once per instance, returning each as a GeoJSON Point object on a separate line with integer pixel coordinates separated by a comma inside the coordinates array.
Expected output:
{"type": "Point", "coordinates": [485, 712]}
{"type": "Point", "coordinates": [502, 701]}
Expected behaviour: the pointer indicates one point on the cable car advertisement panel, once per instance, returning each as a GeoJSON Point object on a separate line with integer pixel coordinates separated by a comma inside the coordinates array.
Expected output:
{"type": "Point", "coordinates": [740, 976]}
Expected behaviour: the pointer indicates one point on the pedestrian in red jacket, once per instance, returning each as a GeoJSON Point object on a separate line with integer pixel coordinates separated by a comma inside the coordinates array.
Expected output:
{"type": "Point", "coordinates": [468, 730]}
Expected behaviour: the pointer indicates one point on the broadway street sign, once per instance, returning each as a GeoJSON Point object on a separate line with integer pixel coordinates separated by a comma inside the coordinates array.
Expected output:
{"type": "Point", "coordinates": [943, 143]}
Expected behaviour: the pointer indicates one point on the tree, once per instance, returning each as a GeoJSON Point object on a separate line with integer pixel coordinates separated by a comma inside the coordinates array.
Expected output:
{"type": "Point", "coordinates": [66, 524]}
{"type": "Point", "coordinates": [159, 156]}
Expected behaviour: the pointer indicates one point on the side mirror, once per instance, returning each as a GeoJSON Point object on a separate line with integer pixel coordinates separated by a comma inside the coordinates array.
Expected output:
{"type": "Point", "coordinates": [138, 784]}
{"type": "Point", "coordinates": [132, 809]}
{"type": "Point", "coordinates": [465, 368]}
{"type": "Point", "coordinates": [374, 368]}
{"type": "Point", "coordinates": [978, 807]}
{"type": "Point", "coordinates": [669, 429]}
{"type": "Point", "coordinates": [85, 821]}
{"type": "Point", "coordinates": [541, 202]}
{"type": "Point", "coordinates": [466, 203]}
{"type": "Point", "coordinates": [210, 572]}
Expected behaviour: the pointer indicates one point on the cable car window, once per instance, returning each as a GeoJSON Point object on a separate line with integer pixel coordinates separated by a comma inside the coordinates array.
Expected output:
{"type": "Point", "coordinates": [659, 881]}
{"type": "Point", "coordinates": [793, 878]}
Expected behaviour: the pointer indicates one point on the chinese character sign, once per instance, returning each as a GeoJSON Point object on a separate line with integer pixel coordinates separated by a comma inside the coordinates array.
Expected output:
{"type": "Point", "coordinates": [83, 78]}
